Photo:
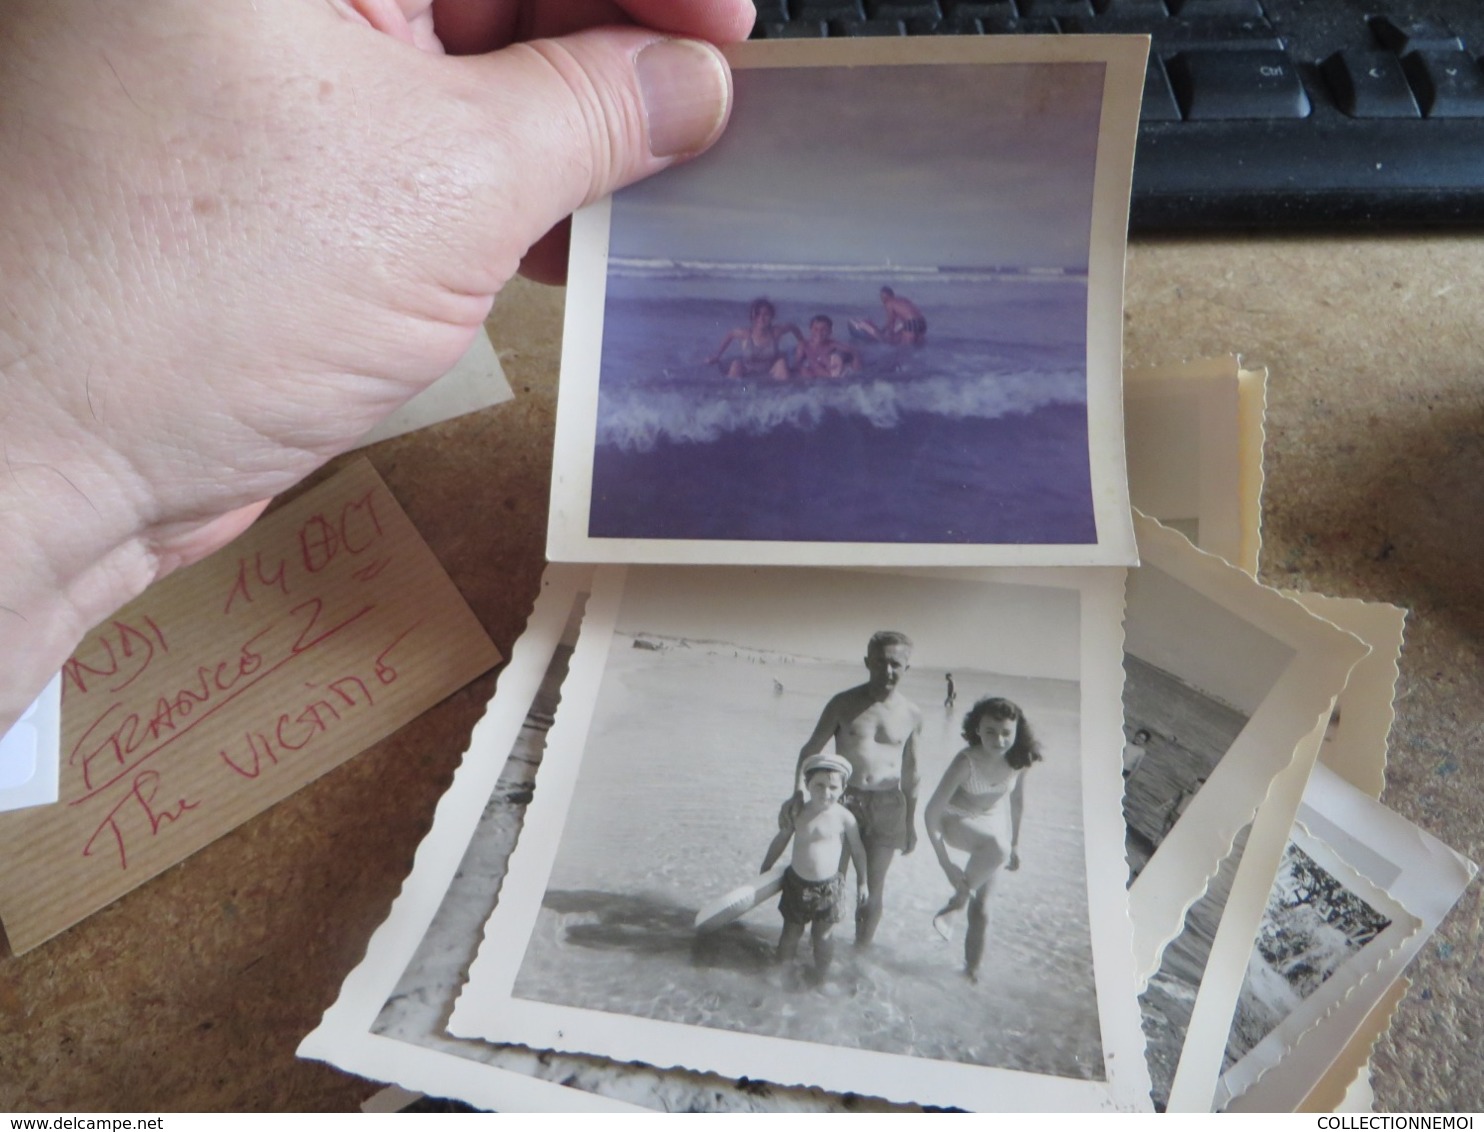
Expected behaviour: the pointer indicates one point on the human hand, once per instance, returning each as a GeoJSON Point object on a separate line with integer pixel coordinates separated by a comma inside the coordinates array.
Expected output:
{"type": "Point", "coordinates": [788, 814]}
{"type": "Point", "coordinates": [235, 236]}
{"type": "Point", "coordinates": [911, 840]}
{"type": "Point", "coordinates": [1014, 862]}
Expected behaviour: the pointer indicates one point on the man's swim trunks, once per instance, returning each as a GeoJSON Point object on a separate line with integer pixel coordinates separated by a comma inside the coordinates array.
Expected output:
{"type": "Point", "coordinates": [881, 815]}
{"type": "Point", "coordinates": [812, 901]}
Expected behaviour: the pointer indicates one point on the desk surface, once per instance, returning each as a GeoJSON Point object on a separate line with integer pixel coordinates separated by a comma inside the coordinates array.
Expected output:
{"type": "Point", "coordinates": [192, 993]}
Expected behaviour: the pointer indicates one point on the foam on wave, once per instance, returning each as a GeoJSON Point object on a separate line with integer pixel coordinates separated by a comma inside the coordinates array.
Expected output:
{"type": "Point", "coordinates": [637, 420]}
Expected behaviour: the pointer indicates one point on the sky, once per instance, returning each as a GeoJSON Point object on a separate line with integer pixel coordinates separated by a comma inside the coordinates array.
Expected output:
{"type": "Point", "coordinates": [987, 166]}
{"type": "Point", "coordinates": [1172, 626]}
{"type": "Point", "coordinates": [1018, 630]}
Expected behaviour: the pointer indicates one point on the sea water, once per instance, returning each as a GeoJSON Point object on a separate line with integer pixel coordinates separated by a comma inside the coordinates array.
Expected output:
{"type": "Point", "coordinates": [689, 758]}
{"type": "Point", "coordinates": [980, 435]}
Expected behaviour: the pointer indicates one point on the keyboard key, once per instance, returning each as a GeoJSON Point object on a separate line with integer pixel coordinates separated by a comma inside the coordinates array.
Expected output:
{"type": "Point", "coordinates": [978, 9]}
{"type": "Point", "coordinates": [792, 29]}
{"type": "Point", "coordinates": [1230, 85]}
{"type": "Point", "coordinates": [1448, 84]}
{"type": "Point", "coordinates": [1143, 9]}
{"type": "Point", "coordinates": [827, 10]}
{"type": "Point", "coordinates": [770, 11]}
{"type": "Point", "coordinates": [1403, 36]}
{"type": "Point", "coordinates": [1030, 25]}
{"type": "Point", "coordinates": [1226, 9]}
{"type": "Point", "coordinates": [1053, 8]}
{"type": "Point", "coordinates": [903, 10]}
{"type": "Point", "coordinates": [948, 26]}
{"type": "Point", "coordinates": [1159, 103]}
{"type": "Point", "coordinates": [1370, 84]}
{"type": "Point", "coordinates": [1175, 33]}
{"type": "Point", "coordinates": [863, 28]}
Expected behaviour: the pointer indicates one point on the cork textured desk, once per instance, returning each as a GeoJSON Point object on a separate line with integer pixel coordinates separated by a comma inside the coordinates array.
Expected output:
{"type": "Point", "coordinates": [192, 992]}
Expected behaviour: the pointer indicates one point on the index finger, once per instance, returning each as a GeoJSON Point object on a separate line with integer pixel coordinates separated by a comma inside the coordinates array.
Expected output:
{"type": "Point", "coordinates": [472, 27]}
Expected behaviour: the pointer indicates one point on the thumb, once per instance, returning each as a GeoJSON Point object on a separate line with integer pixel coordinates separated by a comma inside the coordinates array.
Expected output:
{"type": "Point", "coordinates": [570, 120]}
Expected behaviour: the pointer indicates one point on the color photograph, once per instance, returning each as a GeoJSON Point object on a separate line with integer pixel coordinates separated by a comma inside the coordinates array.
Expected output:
{"type": "Point", "coordinates": [862, 318]}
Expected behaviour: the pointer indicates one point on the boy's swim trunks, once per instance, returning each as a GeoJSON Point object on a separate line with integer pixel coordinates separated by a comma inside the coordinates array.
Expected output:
{"type": "Point", "coordinates": [881, 815]}
{"type": "Point", "coordinates": [812, 901]}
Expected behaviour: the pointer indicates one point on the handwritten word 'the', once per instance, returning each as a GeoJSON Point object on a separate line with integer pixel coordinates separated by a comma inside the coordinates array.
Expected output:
{"type": "Point", "coordinates": [347, 533]}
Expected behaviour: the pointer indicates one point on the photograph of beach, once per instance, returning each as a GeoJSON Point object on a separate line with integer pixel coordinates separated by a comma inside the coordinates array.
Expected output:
{"type": "Point", "coordinates": [862, 318]}
{"type": "Point", "coordinates": [701, 712]}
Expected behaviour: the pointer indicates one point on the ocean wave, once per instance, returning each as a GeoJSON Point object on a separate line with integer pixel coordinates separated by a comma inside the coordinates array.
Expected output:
{"type": "Point", "coordinates": [635, 419]}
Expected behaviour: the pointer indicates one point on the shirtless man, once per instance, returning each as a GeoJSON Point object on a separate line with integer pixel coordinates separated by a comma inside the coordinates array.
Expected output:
{"type": "Point", "coordinates": [875, 728]}
{"type": "Point", "coordinates": [904, 324]}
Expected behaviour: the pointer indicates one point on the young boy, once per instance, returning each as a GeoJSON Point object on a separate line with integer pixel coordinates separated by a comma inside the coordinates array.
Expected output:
{"type": "Point", "coordinates": [820, 355]}
{"type": "Point", "coordinates": [814, 884]}
{"type": "Point", "coordinates": [875, 729]}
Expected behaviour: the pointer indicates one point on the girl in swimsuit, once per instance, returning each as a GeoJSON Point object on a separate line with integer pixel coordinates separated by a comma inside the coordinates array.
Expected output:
{"type": "Point", "coordinates": [759, 343]}
{"type": "Point", "coordinates": [976, 809]}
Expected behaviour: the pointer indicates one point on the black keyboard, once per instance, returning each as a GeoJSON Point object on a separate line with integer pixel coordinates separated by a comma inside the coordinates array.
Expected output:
{"type": "Point", "coordinates": [1257, 113]}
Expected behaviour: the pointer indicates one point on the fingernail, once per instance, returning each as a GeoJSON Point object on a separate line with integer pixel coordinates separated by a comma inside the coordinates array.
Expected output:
{"type": "Point", "coordinates": [687, 90]}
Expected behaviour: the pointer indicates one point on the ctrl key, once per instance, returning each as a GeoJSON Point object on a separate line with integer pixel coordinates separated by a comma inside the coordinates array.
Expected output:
{"type": "Point", "coordinates": [1227, 85]}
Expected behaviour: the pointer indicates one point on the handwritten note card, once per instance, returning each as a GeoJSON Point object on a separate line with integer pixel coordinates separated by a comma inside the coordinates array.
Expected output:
{"type": "Point", "coordinates": [227, 687]}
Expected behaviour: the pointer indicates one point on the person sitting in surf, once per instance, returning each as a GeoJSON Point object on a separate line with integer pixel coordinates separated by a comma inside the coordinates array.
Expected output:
{"type": "Point", "coordinates": [820, 355]}
{"type": "Point", "coordinates": [814, 882]}
{"type": "Point", "coordinates": [904, 324]}
{"type": "Point", "coordinates": [760, 348]}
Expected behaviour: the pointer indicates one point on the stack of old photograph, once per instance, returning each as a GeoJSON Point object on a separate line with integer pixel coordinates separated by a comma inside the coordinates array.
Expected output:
{"type": "Point", "coordinates": [901, 723]}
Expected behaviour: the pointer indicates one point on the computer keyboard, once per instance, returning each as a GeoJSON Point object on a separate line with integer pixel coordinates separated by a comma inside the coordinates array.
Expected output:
{"type": "Point", "coordinates": [1257, 113]}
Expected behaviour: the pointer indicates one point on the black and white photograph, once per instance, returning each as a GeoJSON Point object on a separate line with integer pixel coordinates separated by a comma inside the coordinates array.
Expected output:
{"type": "Point", "coordinates": [1327, 928]}
{"type": "Point", "coordinates": [1316, 973]}
{"type": "Point", "coordinates": [1168, 1002]}
{"type": "Point", "coordinates": [893, 281]}
{"type": "Point", "coordinates": [1176, 735]}
{"type": "Point", "coordinates": [417, 1007]}
{"type": "Point", "coordinates": [1224, 678]}
{"type": "Point", "coordinates": [388, 1022]}
{"type": "Point", "coordinates": [766, 842]}
{"type": "Point", "coordinates": [1313, 925]}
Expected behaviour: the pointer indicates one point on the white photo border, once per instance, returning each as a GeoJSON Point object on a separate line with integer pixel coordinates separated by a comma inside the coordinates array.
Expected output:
{"type": "Point", "coordinates": [1123, 58]}
{"type": "Point", "coordinates": [488, 1009]}
{"type": "Point", "coordinates": [1302, 696]}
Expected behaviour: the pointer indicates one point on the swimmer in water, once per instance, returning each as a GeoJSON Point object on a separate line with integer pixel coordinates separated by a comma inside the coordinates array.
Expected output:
{"type": "Point", "coordinates": [759, 343]}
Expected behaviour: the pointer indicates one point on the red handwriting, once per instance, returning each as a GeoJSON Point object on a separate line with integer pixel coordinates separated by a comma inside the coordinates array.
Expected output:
{"type": "Point", "coordinates": [119, 741]}
{"type": "Point", "coordinates": [267, 576]}
{"type": "Point", "coordinates": [138, 802]}
{"type": "Point", "coordinates": [322, 539]}
{"type": "Point", "coordinates": [294, 730]}
{"type": "Point", "coordinates": [120, 650]}
{"type": "Point", "coordinates": [131, 730]}
{"type": "Point", "coordinates": [140, 810]}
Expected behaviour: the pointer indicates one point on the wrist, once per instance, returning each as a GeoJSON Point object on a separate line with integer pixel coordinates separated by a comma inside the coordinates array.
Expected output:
{"type": "Point", "coordinates": [70, 538]}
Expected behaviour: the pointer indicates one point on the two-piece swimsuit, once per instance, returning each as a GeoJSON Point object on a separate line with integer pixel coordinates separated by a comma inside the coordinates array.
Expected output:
{"type": "Point", "coordinates": [979, 794]}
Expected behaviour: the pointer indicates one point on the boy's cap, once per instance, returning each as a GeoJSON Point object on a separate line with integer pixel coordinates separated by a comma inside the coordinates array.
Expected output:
{"type": "Point", "coordinates": [826, 762]}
